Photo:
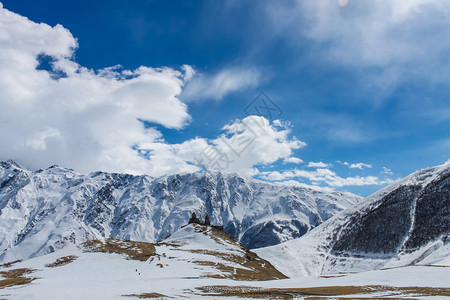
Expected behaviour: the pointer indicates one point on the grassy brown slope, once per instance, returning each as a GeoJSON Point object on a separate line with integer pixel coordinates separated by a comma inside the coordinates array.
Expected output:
{"type": "Point", "coordinates": [326, 292]}
{"type": "Point", "coordinates": [62, 261]}
{"type": "Point", "coordinates": [16, 277]}
{"type": "Point", "coordinates": [147, 296]}
{"type": "Point", "coordinates": [133, 250]}
{"type": "Point", "coordinates": [254, 267]}
{"type": "Point", "coordinates": [10, 264]}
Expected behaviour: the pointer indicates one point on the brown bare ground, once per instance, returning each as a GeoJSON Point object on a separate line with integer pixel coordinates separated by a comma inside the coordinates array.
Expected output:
{"type": "Point", "coordinates": [217, 235]}
{"type": "Point", "coordinates": [254, 267]}
{"type": "Point", "coordinates": [147, 295]}
{"type": "Point", "coordinates": [10, 264]}
{"type": "Point", "coordinates": [62, 261]}
{"type": "Point", "coordinates": [16, 277]}
{"type": "Point", "coordinates": [133, 250]}
{"type": "Point", "coordinates": [326, 292]}
{"type": "Point", "coordinates": [174, 244]}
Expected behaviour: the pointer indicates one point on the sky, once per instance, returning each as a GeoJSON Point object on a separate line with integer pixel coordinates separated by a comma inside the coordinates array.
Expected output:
{"type": "Point", "coordinates": [342, 94]}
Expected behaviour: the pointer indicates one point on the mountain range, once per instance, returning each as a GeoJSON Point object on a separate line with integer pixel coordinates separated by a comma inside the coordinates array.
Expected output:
{"type": "Point", "coordinates": [45, 210]}
{"type": "Point", "coordinates": [114, 236]}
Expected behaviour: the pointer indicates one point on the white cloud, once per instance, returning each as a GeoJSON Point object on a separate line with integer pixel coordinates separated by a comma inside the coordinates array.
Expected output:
{"type": "Point", "coordinates": [387, 171]}
{"type": "Point", "coordinates": [243, 145]}
{"type": "Point", "coordinates": [218, 85]}
{"type": "Point", "coordinates": [377, 32]}
{"type": "Point", "coordinates": [383, 35]}
{"type": "Point", "coordinates": [325, 176]}
{"type": "Point", "coordinates": [293, 160]}
{"type": "Point", "coordinates": [86, 119]}
{"type": "Point", "coordinates": [355, 181]}
{"type": "Point", "coordinates": [91, 119]}
{"type": "Point", "coordinates": [360, 166]}
{"type": "Point", "coordinates": [37, 142]}
{"type": "Point", "coordinates": [317, 165]}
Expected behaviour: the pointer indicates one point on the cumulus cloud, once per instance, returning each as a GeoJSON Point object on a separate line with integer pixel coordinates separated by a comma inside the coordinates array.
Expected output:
{"type": "Point", "coordinates": [243, 145]}
{"type": "Point", "coordinates": [323, 175]}
{"type": "Point", "coordinates": [92, 119]}
{"type": "Point", "coordinates": [360, 166]}
{"type": "Point", "coordinates": [317, 165]}
{"type": "Point", "coordinates": [88, 119]}
{"type": "Point", "coordinates": [293, 160]}
{"type": "Point", "coordinates": [218, 85]}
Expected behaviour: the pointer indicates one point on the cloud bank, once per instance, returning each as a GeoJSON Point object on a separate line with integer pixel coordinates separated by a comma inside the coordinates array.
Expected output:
{"type": "Point", "coordinates": [392, 41]}
{"type": "Point", "coordinates": [323, 176]}
{"type": "Point", "coordinates": [85, 118]}
{"type": "Point", "coordinates": [92, 119]}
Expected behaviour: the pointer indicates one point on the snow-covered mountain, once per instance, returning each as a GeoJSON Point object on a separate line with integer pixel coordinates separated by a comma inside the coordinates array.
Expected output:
{"type": "Point", "coordinates": [406, 223]}
{"type": "Point", "coordinates": [44, 210]}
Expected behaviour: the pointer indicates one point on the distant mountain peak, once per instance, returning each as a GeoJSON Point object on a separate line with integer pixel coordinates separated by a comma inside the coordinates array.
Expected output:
{"type": "Point", "coordinates": [405, 223]}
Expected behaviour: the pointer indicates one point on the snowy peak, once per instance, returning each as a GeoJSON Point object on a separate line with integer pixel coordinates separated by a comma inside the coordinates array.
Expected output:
{"type": "Point", "coordinates": [407, 216]}
{"type": "Point", "coordinates": [405, 223]}
{"type": "Point", "coordinates": [44, 210]}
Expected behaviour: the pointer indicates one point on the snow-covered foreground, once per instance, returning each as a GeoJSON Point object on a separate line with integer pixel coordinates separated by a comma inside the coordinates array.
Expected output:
{"type": "Point", "coordinates": [197, 257]}
{"type": "Point", "coordinates": [110, 276]}
{"type": "Point", "coordinates": [191, 257]}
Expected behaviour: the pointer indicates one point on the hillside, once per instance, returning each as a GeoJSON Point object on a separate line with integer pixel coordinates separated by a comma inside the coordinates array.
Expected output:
{"type": "Point", "coordinates": [194, 252]}
{"type": "Point", "coordinates": [407, 223]}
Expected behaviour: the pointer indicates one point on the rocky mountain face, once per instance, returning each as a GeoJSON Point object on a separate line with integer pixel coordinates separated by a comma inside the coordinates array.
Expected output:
{"type": "Point", "coordinates": [405, 223]}
{"type": "Point", "coordinates": [402, 218]}
{"type": "Point", "coordinates": [44, 210]}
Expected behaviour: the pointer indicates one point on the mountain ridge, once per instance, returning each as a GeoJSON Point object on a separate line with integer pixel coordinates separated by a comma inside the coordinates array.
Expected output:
{"type": "Point", "coordinates": [405, 223]}
{"type": "Point", "coordinates": [44, 210]}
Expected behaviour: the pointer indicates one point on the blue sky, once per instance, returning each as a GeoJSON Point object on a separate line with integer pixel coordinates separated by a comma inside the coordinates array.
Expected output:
{"type": "Point", "coordinates": [362, 83]}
